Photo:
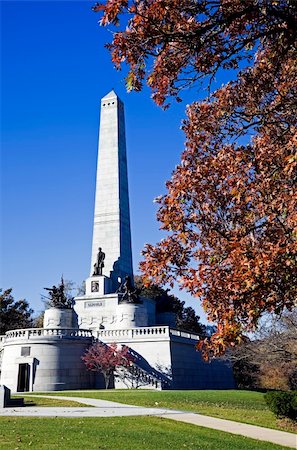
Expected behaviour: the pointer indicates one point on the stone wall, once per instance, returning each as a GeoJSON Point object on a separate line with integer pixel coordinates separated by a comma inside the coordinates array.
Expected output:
{"type": "Point", "coordinates": [105, 312]}
{"type": "Point", "coordinates": [52, 358]}
{"type": "Point", "coordinates": [172, 353]}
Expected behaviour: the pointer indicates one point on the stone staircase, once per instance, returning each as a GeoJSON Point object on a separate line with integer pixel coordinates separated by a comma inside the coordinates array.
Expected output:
{"type": "Point", "coordinates": [141, 375]}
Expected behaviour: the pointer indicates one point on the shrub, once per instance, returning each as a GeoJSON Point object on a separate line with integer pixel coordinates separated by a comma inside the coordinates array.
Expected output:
{"type": "Point", "coordinates": [283, 404]}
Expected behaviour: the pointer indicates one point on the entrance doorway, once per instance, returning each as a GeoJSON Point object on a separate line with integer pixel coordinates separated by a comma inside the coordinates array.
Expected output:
{"type": "Point", "coordinates": [23, 378]}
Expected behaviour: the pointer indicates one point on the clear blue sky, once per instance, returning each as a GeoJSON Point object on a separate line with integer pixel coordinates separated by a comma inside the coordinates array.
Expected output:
{"type": "Point", "coordinates": [54, 71]}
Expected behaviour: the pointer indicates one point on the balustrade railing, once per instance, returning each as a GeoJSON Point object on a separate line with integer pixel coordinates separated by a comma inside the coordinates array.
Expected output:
{"type": "Point", "coordinates": [145, 333]}
{"type": "Point", "coordinates": [128, 333]}
{"type": "Point", "coordinates": [139, 333]}
{"type": "Point", "coordinates": [31, 333]}
{"type": "Point", "coordinates": [135, 377]}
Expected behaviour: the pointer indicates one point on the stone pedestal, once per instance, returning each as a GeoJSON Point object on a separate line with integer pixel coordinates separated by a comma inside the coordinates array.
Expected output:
{"type": "Point", "coordinates": [60, 318]}
{"type": "Point", "coordinates": [107, 312]}
{"type": "Point", "coordinates": [98, 285]}
{"type": "Point", "coordinates": [131, 315]}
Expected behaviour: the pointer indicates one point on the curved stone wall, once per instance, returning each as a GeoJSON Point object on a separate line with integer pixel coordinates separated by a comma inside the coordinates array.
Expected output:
{"type": "Point", "coordinates": [52, 358]}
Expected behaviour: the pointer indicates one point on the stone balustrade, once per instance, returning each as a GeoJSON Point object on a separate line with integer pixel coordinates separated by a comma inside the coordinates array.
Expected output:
{"type": "Point", "coordinates": [145, 333]}
{"type": "Point", "coordinates": [141, 377]}
{"type": "Point", "coordinates": [32, 333]}
{"type": "Point", "coordinates": [135, 333]}
{"type": "Point", "coordinates": [128, 333]}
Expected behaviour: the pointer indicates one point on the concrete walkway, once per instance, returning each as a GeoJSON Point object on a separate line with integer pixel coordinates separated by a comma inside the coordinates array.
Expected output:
{"type": "Point", "coordinates": [244, 429]}
{"type": "Point", "coordinates": [104, 408]}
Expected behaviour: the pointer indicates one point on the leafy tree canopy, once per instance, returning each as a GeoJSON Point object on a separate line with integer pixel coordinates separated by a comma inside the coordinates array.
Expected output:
{"type": "Point", "coordinates": [13, 314]}
{"type": "Point", "coordinates": [230, 209]}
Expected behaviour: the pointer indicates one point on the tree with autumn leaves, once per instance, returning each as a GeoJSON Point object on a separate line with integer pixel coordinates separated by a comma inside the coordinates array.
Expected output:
{"type": "Point", "coordinates": [105, 359]}
{"type": "Point", "coordinates": [229, 212]}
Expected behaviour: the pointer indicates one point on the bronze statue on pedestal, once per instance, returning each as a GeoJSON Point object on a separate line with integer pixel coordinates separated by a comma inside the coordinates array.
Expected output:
{"type": "Point", "coordinates": [99, 264]}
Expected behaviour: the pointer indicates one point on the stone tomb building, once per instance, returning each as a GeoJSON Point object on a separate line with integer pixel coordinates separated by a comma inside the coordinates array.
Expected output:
{"type": "Point", "coordinates": [49, 358]}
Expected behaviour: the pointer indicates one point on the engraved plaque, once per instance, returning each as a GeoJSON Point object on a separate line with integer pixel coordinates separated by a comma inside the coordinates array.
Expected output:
{"type": "Point", "coordinates": [97, 304]}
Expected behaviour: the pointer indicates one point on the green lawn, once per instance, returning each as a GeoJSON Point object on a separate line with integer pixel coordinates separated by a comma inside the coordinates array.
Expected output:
{"type": "Point", "coordinates": [117, 433]}
{"type": "Point", "coordinates": [241, 406]}
{"type": "Point", "coordinates": [42, 401]}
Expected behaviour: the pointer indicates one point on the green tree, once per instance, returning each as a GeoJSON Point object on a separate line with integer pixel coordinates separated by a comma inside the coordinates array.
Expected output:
{"type": "Point", "coordinates": [13, 314]}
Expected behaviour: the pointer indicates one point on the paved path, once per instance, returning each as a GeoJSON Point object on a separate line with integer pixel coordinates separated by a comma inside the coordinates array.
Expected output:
{"type": "Point", "coordinates": [244, 429]}
{"type": "Point", "coordinates": [104, 408]}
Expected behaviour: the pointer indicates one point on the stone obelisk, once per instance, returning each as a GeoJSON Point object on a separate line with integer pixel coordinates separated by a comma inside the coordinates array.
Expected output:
{"type": "Point", "coordinates": [111, 230]}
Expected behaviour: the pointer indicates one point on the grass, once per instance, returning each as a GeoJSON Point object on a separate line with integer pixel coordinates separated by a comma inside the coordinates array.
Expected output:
{"type": "Point", "coordinates": [125, 433]}
{"type": "Point", "coordinates": [240, 406]}
{"type": "Point", "coordinates": [43, 401]}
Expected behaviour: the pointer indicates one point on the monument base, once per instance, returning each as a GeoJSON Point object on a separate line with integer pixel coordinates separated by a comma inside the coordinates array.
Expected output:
{"type": "Point", "coordinates": [59, 318]}
{"type": "Point", "coordinates": [97, 312]}
{"type": "Point", "coordinates": [98, 285]}
{"type": "Point", "coordinates": [169, 359]}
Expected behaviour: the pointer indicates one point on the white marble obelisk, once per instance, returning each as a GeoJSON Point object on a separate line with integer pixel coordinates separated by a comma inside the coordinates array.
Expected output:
{"type": "Point", "coordinates": [111, 230]}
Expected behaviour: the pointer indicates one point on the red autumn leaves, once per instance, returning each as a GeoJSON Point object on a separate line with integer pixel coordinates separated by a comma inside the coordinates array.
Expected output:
{"type": "Point", "coordinates": [230, 209]}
